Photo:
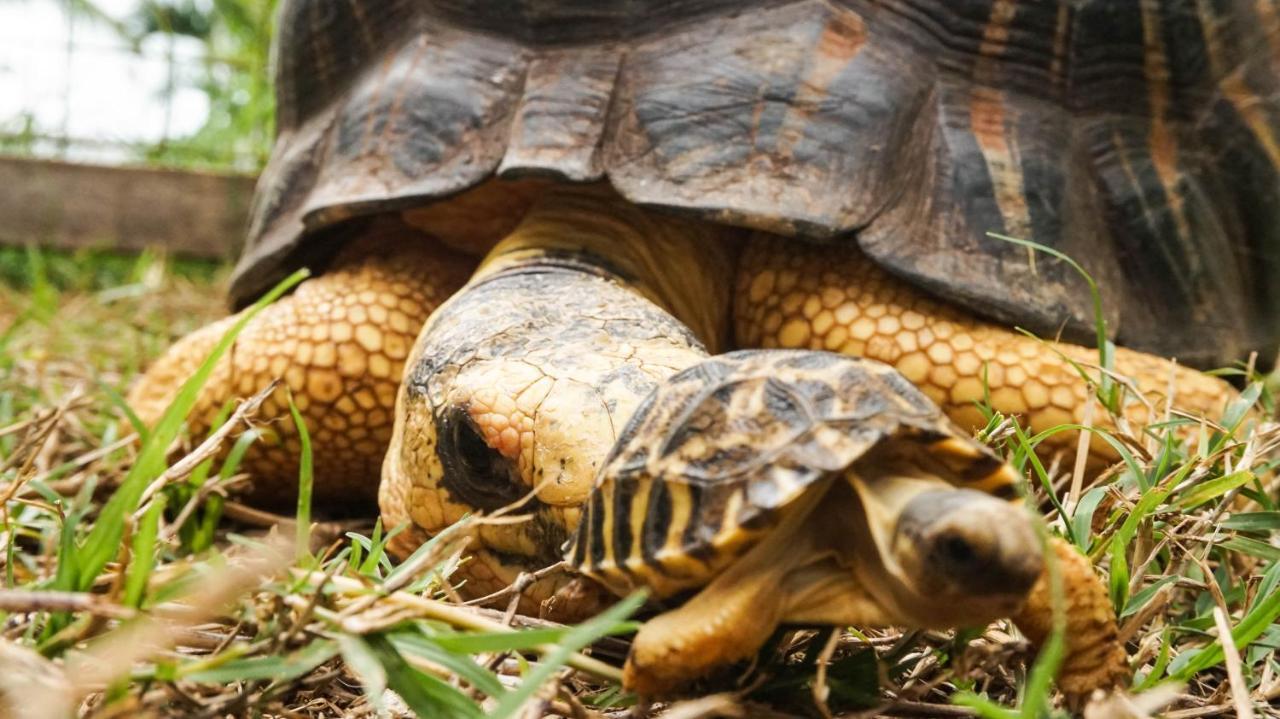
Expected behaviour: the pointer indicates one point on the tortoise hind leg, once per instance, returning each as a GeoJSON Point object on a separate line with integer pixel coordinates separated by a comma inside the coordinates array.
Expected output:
{"type": "Point", "coordinates": [837, 299]}
{"type": "Point", "coordinates": [338, 344]}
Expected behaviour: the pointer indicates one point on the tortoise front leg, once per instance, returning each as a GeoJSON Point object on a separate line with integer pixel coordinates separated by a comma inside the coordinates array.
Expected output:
{"type": "Point", "coordinates": [793, 576]}
{"type": "Point", "coordinates": [1094, 657]}
{"type": "Point", "coordinates": [338, 344]}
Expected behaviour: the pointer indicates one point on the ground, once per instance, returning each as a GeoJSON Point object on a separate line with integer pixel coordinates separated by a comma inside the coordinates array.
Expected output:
{"type": "Point", "coordinates": [134, 583]}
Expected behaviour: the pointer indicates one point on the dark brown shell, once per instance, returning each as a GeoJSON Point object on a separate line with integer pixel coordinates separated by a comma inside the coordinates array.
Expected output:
{"type": "Point", "coordinates": [1140, 138]}
{"type": "Point", "coordinates": [706, 464]}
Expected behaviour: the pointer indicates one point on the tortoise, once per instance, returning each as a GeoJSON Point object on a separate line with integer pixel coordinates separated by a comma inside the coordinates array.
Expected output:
{"type": "Point", "coordinates": [813, 488]}
{"type": "Point", "coordinates": [524, 216]}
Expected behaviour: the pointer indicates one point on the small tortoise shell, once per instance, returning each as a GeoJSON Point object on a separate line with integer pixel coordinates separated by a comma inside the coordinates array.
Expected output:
{"type": "Point", "coordinates": [707, 462]}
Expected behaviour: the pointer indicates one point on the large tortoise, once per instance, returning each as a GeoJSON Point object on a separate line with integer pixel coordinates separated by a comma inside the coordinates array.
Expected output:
{"type": "Point", "coordinates": [650, 182]}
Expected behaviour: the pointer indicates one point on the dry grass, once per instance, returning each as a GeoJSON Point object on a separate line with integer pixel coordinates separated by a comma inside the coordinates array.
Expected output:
{"type": "Point", "coordinates": [201, 607]}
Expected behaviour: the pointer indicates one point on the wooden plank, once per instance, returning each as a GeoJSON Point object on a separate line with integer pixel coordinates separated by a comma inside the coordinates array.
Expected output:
{"type": "Point", "coordinates": [70, 206]}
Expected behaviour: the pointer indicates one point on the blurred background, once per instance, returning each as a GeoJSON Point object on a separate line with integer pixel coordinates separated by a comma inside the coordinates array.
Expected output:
{"type": "Point", "coordinates": [178, 84]}
{"type": "Point", "coordinates": [131, 134]}
{"type": "Point", "coordinates": [131, 125]}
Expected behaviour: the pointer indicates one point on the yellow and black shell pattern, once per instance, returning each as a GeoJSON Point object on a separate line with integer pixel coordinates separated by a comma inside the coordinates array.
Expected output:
{"type": "Point", "coordinates": [706, 465]}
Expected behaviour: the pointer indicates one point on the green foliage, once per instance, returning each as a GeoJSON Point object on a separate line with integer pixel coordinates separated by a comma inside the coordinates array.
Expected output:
{"type": "Point", "coordinates": [234, 74]}
{"type": "Point", "coordinates": [235, 77]}
{"type": "Point", "coordinates": [37, 272]}
{"type": "Point", "coordinates": [102, 542]}
{"type": "Point", "coordinates": [1152, 523]}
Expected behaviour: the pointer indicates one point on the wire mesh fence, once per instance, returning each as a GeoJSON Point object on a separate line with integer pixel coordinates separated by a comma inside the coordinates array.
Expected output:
{"type": "Point", "coordinates": [160, 82]}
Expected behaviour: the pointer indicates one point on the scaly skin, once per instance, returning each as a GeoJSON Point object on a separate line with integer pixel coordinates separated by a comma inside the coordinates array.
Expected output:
{"type": "Point", "coordinates": [1094, 658]}
{"type": "Point", "coordinates": [338, 343]}
{"type": "Point", "coordinates": [836, 299]}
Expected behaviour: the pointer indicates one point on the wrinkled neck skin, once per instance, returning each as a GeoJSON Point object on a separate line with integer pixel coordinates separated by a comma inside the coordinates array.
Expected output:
{"type": "Point", "coordinates": [684, 266]}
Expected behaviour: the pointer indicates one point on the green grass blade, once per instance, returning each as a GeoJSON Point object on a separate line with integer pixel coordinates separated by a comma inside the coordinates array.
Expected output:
{"type": "Point", "coordinates": [277, 668]}
{"type": "Point", "coordinates": [398, 575]}
{"type": "Point", "coordinates": [1252, 547]}
{"type": "Point", "coordinates": [362, 660]}
{"type": "Point", "coordinates": [1082, 522]}
{"type": "Point", "coordinates": [306, 477]}
{"type": "Point", "coordinates": [104, 539]}
{"type": "Point", "coordinates": [1118, 583]}
{"type": "Point", "coordinates": [1027, 447]}
{"type": "Point", "coordinates": [1106, 350]}
{"type": "Point", "coordinates": [1151, 499]}
{"type": "Point", "coordinates": [117, 400]}
{"type": "Point", "coordinates": [1162, 662]}
{"type": "Point", "coordinates": [458, 663]}
{"type": "Point", "coordinates": [144, 553]}
{"type": "Point", "coordinates": [984, 707]}
{"type": "Point", "coordinates": [577, 638]}
{"type": "Point", "coordinates": [484, 642]}
{"type": "Point", "coordinates": [1252, 521]}
{"type": "Point", "coordinates": [1212, 489]}
{"type": "Point", "coordinates": [1144, 595]}
{"type": "Point", "coordinates": [236, 455]}
{"type": "Point", "coordinates": [1264, 612]}
{"type": "Point", "coordinates": [426, 695]}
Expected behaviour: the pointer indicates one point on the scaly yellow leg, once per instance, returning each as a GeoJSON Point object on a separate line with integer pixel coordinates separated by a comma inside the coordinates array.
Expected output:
{"type": "Point", "coordinates": [338, 343]}
{"type": "Point", "coordinates": [836, 299]}
{"type": "Point", "coordinates": [1094, 657]}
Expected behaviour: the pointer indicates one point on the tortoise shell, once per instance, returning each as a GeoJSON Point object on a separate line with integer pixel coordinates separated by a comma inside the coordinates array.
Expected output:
{"type": "Point", "coordinates": [1140, 138]}
{"type": "Point", "coordinates": [710, 459]}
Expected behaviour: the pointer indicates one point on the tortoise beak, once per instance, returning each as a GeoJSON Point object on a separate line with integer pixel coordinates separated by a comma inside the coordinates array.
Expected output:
{"type": "Point", "coordinates": [967, 543]}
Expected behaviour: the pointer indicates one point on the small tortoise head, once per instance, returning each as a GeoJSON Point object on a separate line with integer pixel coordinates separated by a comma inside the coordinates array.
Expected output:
{"type": "Point", "coordinates": [959, 556]}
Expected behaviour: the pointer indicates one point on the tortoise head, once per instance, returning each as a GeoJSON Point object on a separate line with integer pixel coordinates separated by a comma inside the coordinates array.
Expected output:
{"type": "Point", "coordinates": [934, 553]}
{"type": "Point", "coordinates": [517, 385]}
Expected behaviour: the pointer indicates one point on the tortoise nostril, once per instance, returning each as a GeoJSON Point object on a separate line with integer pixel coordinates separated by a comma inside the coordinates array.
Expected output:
{"type": "Point", "coordinates": [475, 473]}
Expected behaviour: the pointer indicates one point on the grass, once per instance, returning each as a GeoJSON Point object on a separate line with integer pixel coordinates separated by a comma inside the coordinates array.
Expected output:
{"type": "Point", "coordinates": [125, 595]}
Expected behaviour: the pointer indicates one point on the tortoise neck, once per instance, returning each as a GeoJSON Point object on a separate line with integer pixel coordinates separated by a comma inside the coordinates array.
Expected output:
{"type": "Point", "coordinates": [685, 266]}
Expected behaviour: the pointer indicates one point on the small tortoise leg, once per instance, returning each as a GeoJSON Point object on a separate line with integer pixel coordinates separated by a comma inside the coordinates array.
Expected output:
{"type": "Point", "coordinates": [788, 579]}
{"type": "Point", "coordinates": [837, 299]}
{"type": "Point", "coordinates": [1094, 658]}
{"type": "Point", "coordinates": [726, 622]}
{"type": "Point", "coordinates": [338, 344]}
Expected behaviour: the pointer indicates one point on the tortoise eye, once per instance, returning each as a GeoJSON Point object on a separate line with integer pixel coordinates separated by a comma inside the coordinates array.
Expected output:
{"type": "Point", "coordinates": [956, 552]}
{"type": "Point", "coordinates": [473, 453]}
{"type": "Point", "coordinates": [474, 473]}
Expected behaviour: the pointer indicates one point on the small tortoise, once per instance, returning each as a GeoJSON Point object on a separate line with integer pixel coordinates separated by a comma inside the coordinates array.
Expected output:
{"type": "Point", "coordinates": [797, 487]}
{"type": "Point", "coordinates": [526, 215]}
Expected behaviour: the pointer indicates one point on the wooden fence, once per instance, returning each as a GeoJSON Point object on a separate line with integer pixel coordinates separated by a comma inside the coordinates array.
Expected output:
{"type": "Point", "coordinates": [70, 206]}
